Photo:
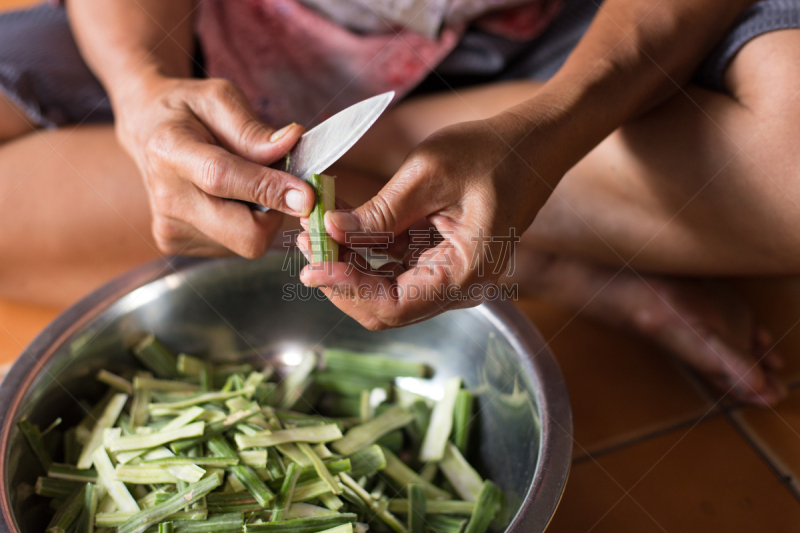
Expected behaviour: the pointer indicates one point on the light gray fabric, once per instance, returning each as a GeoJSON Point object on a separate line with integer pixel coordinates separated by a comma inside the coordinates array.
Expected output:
{"type": "Point", "coordinates": [484, 54]}
{"type": "Point", "coordinates": [483, 58]}
{"type": "Point", "coordinates": [42, 71]}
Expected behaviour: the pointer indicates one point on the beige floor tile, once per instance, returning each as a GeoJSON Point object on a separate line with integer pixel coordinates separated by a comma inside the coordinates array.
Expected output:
{"type": "Point", "coordinates": [620, 386]}
{"type": "Point", "coordinates": [776, 305]}
{"type": "Point", "coordinates": [777, 433]}
{"type": "Point", "coordinates": [19, 324]}
{"type": "Point", "coordinates": [701, 479]}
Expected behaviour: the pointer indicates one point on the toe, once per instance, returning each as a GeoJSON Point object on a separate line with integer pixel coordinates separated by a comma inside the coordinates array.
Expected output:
{"type": "Point", "coordinates": [764, 349]}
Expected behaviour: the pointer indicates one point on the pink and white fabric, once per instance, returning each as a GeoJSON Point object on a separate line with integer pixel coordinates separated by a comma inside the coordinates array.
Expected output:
{"type": "Point", "coordinates": [305, 60]}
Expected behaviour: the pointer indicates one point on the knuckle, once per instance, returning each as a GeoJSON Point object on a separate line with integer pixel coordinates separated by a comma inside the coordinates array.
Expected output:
{"type": "Point", "coordinates": [162, 199]}
{"type": "Point", "coordinates": [213, 178]}
{"type": "Point", "coordinates": [380, 215]}
{"type": "Point", "coordinates": [398, 319]}
{"type": "Point", "coordinates": [249, 132]}
{"type": "Point", "coordinates": [268, 191]}
{"type": "Point", "coordinates": [254, 247]}
{"type": "Point", "coordinates": [168, 236]}
{"type": "Point", "coordinates": [160, 143]}
{"type": "Point", "coordinates": [225, 86]}
{"type": "Point", "coordinates": [374, 324]}
{"type": "Point", "coordinates": [221, 89]}
{"type": "Point", "coordinates": [427, 160]}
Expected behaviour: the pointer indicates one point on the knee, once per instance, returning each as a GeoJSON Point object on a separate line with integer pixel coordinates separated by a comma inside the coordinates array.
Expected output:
{"type": "Point", "coordinates": [13, 121]}
{"type": "Point", "coordinates": [765, 75]}
{"type": "Point", "coordinates": [765, 78]}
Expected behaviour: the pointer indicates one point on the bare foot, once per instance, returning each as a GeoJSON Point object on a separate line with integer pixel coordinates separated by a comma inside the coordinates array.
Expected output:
{"type": "Point", "coordinates": [698, 321]}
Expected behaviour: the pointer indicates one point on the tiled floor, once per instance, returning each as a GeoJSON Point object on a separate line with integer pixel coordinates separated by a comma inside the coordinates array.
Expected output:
{"type": "Point", "coordinates": [653, 453]}
{"type": "Point", "coordinates": [14, 4]}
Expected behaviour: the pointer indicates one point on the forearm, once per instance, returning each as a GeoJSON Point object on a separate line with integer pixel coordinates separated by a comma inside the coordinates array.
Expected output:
{"type": "Point", "coordinates": [130, 43]}
{"type": "Point", "coordinates": [635, 54]}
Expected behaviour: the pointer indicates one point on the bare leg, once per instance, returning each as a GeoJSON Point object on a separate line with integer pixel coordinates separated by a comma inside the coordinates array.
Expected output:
{"type": "Point", "coordinates": [685, 189]}
{"type": "Point", "coordinates": [12, 121]}
{"type": "Point", "coordinates": [704, 184]}
{"type": "Point", "coordinates": [74, 214]}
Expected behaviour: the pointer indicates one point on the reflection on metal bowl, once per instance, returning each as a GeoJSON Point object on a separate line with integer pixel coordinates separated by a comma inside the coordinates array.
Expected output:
{"type": "Point", "coordinates": [233, 309]}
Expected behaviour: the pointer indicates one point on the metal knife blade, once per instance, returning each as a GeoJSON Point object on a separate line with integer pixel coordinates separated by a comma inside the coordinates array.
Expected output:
{"type": "Point", "coordinates": [323, 145]}
{"type": "Point", "coordinates": [320, 147]}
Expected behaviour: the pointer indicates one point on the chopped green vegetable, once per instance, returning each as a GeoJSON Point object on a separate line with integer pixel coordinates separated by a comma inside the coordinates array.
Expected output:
{"type": "Point", "coordinates": [311, 524]}
{"type": "Point", "coordinates": [454, 507]}
{"type": "Point", "coordinates": [144, 519]}
{"type": "Point", "coordinates": [344, 528]}
{"type": "Point", "coordinates": [440, 523]}
{"type": "Point", "coordinates": [62, 471]}
{"type": "Point", "coordinates": [243, 473]}
{"type": "Point", "coordinates": [69, 512]}
{"type": "Point", "coordinates": [86, 520]}
{"type": "Point", "coordinates": [142, 382]}
{"type": "Point", "coordinates": [203, 398]}
{"type": "Point", "coordinates": [157, 357]}
{"type": "Point", "coordinates": [34, 438]}
{"type": "Point", "coordinates": [106, 421]}
{"type": "Point", "coordinates": [463, 413]}
{"type": "Point", "coordinates": [204, 448]}
{"type": "Point", "coordinates": [323, 248]}
{"type": "Point", "coordinates": [116, 489]}
{"type": "Point", "coordinates": [115, 381]}
{"type": "Point", "coordinates": [441, 423]}
{"type": "Point", "coordinates": [221, 523]}
{"type": "Point", "coordinates": [486, 508]}
{"type": "Point", "coordinates": [366, 434]}
{"type": "Point", "coordinates": [416, 508]}
{"type": "Point", "coordinates": [283, 502]}
{"type": "Point", "coordinates": [55, 488]}
{"type": "Point", "coordinates": [380, 510]}
{"type": "Point", "coordinates": [315, 434]}
{"type": "Point", "coordinates": [138, 442]}
{"type": "Point", "coordinates": [367, 461]}
{"type": "Point", "coordinates": [373, 365]}
{"type": "Point", "coordinates": [464, 479]}
{"type": "Point", "coordinates": [403, 476]}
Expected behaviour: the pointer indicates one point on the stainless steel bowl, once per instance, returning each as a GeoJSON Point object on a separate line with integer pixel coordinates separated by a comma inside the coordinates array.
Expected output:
{"type": "Point", "coordinates": [232, 309]}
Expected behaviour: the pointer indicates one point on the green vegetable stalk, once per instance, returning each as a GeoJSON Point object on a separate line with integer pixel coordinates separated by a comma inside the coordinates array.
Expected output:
{"type": "Point", "coordinates": [323, 248]}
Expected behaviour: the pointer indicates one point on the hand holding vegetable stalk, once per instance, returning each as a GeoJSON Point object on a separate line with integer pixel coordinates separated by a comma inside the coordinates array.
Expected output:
{"type": "Point", "coordinates": [465, 182]}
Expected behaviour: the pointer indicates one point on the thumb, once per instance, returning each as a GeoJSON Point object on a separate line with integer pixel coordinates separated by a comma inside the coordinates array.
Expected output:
{"type": "Point", "coordinates": [391, 212]}
{"type": "Point", "coordinates": [227, 114]}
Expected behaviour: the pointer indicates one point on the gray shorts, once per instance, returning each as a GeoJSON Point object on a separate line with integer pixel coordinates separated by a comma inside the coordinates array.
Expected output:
{"type": "Point", "coordinates": [43, 73]}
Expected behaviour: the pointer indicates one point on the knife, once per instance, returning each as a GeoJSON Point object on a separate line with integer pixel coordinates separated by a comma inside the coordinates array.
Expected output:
{"type": "Point", "coordinates": [323, 145]}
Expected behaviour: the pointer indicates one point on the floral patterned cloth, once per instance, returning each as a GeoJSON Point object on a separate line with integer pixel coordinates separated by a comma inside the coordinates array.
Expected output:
{"type": "Point", "coordinates": [305, 60]}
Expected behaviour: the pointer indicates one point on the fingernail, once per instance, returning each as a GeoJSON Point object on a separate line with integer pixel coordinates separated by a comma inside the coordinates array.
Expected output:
{"type": "Point", "coordinates": [296, 201]}
{"type": "Point", "coordinates": [281, 132]}
{"type": "Point", "coordinates": [345, 221]}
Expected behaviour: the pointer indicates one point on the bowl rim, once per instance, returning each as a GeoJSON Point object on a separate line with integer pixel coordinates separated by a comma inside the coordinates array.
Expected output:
{"type": "Point", "coordinates": [555, 452]}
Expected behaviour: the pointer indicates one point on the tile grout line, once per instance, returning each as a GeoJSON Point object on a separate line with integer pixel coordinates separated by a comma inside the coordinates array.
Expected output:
{"type": "Point", "coordinates": [688, 422]}
{"type": "Point", "coordinates": [702, 391]}
{"type": "Point", "coordinates": [778, 467]}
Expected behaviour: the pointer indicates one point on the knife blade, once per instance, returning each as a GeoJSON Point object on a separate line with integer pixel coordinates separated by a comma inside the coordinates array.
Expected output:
{"type": "Point", "coordinates": [323, 145]}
